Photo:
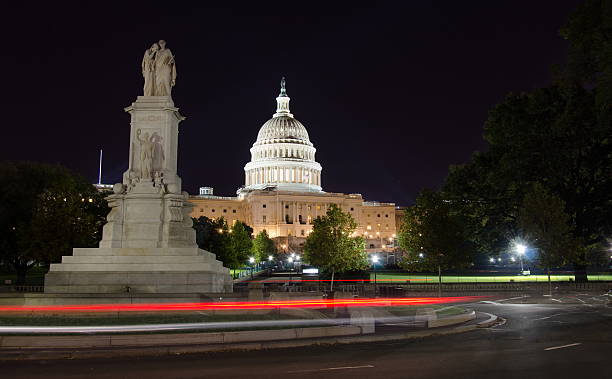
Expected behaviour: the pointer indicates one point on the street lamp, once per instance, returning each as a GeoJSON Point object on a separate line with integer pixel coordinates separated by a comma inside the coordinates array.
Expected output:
{"type": "Point", "coordinates": [520, 250]}
{"type": "Point", "coordinates": [374, 262]}
{"type": "Point", "coordinates": [290, 260]}
{"type": "Point", "coordinates": [252, 261]}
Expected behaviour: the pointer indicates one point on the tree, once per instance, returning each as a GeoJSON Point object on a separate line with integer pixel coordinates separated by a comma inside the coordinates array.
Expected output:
{"type": "Point", "coordinates": [213, 235]}
{"type": "Point", "coordinates": [263, 246]}
{"type": "Point", "coordinates": [241, 244]}
{"type": "Point", "coordinates": [433, 237]}
{"type": "Point", "coordinates": [332, 244]}
{"type": "Point", "coordinates": [45, 212]}
{"type": "Point", "coordinates": [543, 221]}
{"type": "Point", "coordinates": [559, 136]}
{"type": "Point", "coordinates": [231, 245]}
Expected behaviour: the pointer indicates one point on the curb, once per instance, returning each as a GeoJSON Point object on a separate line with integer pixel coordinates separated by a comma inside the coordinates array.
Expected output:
{"type": "Point", "coordinates": [20, 354]}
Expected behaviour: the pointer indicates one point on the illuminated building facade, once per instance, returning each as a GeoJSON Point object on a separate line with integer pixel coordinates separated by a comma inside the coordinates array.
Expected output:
{"type": "Point", "coordinates": [282, 193]}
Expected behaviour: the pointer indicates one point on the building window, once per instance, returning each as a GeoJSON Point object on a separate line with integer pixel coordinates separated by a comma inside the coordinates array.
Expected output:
{"type": "Point", "coordinates": [369, 227]}
{"type": "Point", "coordinates": [264, 219]}
{"type": "Point", "coordinates": [264, 205]}
{"type": "Point", "coordinates": [318, 207]}
{"type": "Point", "coordinates": [289, 232]}
{"type": "Point", "coordinates": [302, 232]}
{"type": "Point", "coordinates": [201, 210]}
{"type": "Point", "coordinates": [378, 215]}
{"type": "Point", "coordinates": [233, 211]}
{"type": "Point", "coordinates": [371, 246]}
{"type": "Point", "coordinates": [386, 215]}
{"type": "Point", "coordinates": [352, 209]}
{"type": "Point", "coordinates": [309, 207]}
{"type": "Point", "coordinates": [286, 207]}
{"type": "Point", "coordinates": [225, 211]}
{"type": "Point", "coordinates": [213, 211]}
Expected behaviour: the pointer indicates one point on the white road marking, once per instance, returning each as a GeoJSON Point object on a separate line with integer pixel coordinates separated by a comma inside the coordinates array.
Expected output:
{"type": "Point", "coordinates": [563, 346]}
{"type": "Point", "coordinates": [513, 298]}
{"type": "Point", "coordinates": [557, 300]}
{"type": "Point", "coordinates": [547, 317]}
{"type": "Point", "coordinates": [330, 369]}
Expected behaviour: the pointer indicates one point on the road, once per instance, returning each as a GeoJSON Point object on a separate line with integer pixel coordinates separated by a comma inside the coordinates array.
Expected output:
{"type": "Point", "coordinates": [537, 341]}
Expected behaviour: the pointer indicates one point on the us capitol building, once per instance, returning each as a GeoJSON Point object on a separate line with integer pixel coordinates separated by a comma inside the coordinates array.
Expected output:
{"type": "Point", "coordinates": [283, 193]}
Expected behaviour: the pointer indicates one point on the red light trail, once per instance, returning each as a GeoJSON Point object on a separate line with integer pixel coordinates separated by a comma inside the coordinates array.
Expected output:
{"type": "Point", "coordinates": [244, 305]}
{"type": "Point", "coordinates": [338, 280]}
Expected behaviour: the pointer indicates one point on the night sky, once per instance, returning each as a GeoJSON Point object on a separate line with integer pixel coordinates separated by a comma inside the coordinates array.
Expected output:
{"type": "Point", "coordinates": [390, 95]}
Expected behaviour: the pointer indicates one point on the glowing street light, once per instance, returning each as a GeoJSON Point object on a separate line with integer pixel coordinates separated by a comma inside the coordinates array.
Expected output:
{"type": "Point", "coordinates": [421, 255]}
{"type": "Point", "coordinates": [520, 250]}
{"type": "Point", "coordinates": [252, 262]}
{"type": "Point", "coordinates": [374, 262]}
{"type": "Point", "coordinates": [270, 258]}
{"type": "Point", "coordinates": [492, 260]}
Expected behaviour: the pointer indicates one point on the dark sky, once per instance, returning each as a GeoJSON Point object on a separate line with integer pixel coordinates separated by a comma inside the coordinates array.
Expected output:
{"type": "Point", "coordinates": [390, 94]}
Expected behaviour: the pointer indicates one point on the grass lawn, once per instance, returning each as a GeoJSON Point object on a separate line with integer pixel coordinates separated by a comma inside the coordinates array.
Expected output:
{"type": "Point", "coordinates": [417, 278]}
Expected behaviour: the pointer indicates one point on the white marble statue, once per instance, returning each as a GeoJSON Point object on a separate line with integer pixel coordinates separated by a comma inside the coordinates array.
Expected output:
{"type": "Point", "coordinates": [148, 70]}
{"type": "Point", "coordinates": [165, 70]}
{"type": "Point", "coordinates": [158, 70]}
{"type": "Point", "coordinates": [146, 156]}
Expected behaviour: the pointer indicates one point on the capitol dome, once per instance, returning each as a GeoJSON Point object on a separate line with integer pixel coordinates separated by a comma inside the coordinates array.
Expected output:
{"type": "Point", "coordinates": [283, 157]}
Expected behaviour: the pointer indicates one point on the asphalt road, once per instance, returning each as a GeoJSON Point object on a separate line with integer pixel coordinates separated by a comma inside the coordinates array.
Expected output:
{"type": "Point", "coordinates": [537, 341]}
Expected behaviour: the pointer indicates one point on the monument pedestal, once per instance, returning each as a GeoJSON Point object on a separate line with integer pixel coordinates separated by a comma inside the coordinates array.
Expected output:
{"type": "Point", "coordinates": [148, 243]}
{"type": "Point", "coordinates": [138, 270]}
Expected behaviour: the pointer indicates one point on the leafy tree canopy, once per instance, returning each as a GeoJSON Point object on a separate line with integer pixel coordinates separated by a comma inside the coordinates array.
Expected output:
{"type": "Point", "coordinates": [433, 236]}
{"type": "Point", "coordinates": [263, 246]}
{"type": "Point", "coordinates": [544, 223]}
{"type": "Point", "coordinates": [45, 212]}
{"type": "Point", "coordinates": [241, 244]}
{"type": "Point", "coordinates": [332, 245]}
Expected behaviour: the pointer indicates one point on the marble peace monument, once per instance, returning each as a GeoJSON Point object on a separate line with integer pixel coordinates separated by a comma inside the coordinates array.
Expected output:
{"type": "Point", "coordinates": [148, 243]}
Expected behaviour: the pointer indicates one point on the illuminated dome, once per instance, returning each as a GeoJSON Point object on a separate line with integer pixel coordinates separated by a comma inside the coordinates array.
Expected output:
{"type": "Point", "coordinates": [283, 128]}
{"type": "Point", "coordinates": [283, 157]}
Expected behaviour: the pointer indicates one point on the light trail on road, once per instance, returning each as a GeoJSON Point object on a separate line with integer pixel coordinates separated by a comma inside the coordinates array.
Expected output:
{"type": "Point", "coordinates": [244, 305]}
{"type": "Point", "coordinates": [202, 326]}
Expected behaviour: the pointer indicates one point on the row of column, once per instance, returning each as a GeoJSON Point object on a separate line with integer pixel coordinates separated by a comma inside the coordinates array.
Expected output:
{"type": "Point", "coordinates": [283, 175]}
{"type": "Point", "coordinates": [295, 209]}
{"type": "Point", "coordinates": [284, 153]}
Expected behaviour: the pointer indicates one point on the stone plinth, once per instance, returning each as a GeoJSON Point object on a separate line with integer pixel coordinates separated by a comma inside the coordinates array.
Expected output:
{"type": "Point", "coordinates": [138, 270]}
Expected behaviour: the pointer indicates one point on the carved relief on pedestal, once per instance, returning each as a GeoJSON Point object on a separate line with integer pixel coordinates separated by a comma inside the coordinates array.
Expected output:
{"type": "Point", "coordinates": [151, 156]}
